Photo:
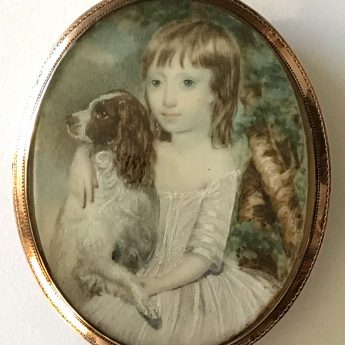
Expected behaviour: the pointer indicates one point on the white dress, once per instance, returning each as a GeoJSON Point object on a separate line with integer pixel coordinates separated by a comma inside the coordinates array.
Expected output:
{"type": "Point", "coordinates": [208, 311]}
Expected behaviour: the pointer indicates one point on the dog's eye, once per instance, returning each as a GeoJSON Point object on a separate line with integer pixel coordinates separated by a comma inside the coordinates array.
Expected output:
{"type": "Point", "coordinates": [102, 116]}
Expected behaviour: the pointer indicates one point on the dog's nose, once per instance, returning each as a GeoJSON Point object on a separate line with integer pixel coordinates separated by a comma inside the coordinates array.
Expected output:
{"type": "Point", "coordinates": [71, 120]}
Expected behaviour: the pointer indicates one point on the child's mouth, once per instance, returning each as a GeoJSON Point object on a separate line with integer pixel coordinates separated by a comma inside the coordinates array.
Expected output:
{"type": "Point", "coordinates": [171, 114]}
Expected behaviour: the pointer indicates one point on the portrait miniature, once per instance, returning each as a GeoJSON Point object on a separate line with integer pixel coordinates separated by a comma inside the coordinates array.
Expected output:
{"type": "Point", "coordinates": [170, 179]}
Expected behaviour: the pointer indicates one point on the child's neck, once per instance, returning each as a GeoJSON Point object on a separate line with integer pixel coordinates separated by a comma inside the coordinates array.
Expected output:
{"type": "Point", "coordinates": [185, 141]}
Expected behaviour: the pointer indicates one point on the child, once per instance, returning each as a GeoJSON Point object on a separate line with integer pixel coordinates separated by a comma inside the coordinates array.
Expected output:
{"type": "Point", "coordinates": [191, 71]}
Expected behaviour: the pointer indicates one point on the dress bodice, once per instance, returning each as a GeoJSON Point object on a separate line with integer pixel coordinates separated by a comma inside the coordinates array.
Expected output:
{"type": "Point", "coordinates": [197, 221]}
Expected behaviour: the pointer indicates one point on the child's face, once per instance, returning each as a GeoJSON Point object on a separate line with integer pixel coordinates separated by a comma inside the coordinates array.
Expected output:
{"type": "Point", "coordinates": [180, 97]}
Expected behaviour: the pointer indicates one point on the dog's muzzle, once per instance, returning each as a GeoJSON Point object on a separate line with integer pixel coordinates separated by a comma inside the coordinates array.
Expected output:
{"type": "Point", "coordinates": [76, 125]}
{"type": "Point", "coordinates": [72, 123]}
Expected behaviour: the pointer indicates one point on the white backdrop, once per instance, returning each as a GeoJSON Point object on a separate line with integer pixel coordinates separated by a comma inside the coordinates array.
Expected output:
{"type": "Point", "coordinates": [315, 31]}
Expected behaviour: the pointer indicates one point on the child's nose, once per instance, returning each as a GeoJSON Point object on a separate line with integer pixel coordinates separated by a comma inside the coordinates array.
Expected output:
{"type": "Point", "coordinates": [170, 96]}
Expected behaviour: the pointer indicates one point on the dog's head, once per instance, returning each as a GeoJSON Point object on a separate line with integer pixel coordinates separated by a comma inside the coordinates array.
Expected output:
{"type": "Point", "coordinates": [98, 124]}
{"type": "Point", "coordinates": [118, 121]}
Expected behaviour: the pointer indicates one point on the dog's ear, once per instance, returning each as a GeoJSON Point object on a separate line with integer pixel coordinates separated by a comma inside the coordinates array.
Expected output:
{"type": "Point", "coordinates": [133, 147]}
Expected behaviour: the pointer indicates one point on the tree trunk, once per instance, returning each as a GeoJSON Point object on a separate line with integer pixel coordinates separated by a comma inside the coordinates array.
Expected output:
{"type": "Point", "coordinates": [277, 182]}
{"type": "Point", "coordinates": [254, 203]}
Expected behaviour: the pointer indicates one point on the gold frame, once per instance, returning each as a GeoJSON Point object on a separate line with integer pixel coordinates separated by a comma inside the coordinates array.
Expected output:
{"type": "Point", "coordinates": [319, 168]}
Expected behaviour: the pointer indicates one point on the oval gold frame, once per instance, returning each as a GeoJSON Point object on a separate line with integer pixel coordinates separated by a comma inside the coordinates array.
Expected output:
{"type": "Point", "coordinates": [319, 168]}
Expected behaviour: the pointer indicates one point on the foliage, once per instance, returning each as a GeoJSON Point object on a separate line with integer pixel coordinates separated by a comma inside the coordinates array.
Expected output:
{"type": "Point", "coordinates": [259, 249]}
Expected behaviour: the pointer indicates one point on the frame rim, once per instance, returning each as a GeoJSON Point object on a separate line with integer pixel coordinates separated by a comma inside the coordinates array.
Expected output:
{"type": "Point", "coordinates": [318, 139]}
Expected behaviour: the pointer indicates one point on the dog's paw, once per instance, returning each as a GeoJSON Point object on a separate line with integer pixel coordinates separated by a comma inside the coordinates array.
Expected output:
{"type": "Point", "coordinates": [149, 309]}
{"type": "Point", "coordinates": [151, 314]}
{"type": "Point", "coordinates": [96, 286]}
{"type": "Point", "coordinates": [90, 284]}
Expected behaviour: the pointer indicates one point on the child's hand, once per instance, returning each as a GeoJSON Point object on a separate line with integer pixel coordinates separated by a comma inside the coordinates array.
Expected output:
{"type": "Point", "coordinates": [82, 177]}
{"type": "Point", "coordinates": [151, 285]}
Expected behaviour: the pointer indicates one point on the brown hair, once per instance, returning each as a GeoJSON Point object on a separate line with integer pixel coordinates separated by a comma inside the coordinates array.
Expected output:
{"type": "Point", "coordinates": [207, 45]}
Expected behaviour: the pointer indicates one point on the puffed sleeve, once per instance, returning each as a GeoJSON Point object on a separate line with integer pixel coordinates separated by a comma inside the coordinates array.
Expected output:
{"type": "Point", "coordinates": [212, 227]}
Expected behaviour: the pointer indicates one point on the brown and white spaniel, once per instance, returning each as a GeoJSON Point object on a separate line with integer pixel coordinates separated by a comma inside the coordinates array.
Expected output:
{"type": "Point", "coordinates": [99, 248]}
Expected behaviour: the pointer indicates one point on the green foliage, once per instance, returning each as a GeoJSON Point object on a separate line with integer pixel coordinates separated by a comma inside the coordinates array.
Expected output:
{"type": "Point", "coordinates": [257, 248]}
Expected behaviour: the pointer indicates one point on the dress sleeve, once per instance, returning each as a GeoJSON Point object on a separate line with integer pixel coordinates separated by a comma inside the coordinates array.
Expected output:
{"type": "Point", "coordinates": [212, 226]}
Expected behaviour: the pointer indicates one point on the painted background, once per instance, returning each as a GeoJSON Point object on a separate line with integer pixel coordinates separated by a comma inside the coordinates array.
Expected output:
{"type": "Point", "coordinates": [314, 32]}
{"type": "Point", "coordinates": [108, 56]}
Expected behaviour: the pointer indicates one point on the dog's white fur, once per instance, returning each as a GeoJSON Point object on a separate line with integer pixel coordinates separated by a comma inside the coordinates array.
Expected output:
{"type": "Point", "coordinates": [84, 239]}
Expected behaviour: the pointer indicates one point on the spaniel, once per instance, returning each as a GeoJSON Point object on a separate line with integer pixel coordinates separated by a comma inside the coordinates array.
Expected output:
{"type": "Point", "coordinates": [99, 248]}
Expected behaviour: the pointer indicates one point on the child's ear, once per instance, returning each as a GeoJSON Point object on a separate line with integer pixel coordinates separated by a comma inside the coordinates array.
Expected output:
{"type": "Point", "coordinates": [211, 99]}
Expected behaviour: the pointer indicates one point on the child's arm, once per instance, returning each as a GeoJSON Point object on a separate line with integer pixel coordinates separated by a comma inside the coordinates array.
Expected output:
{"type": "Point", "coordinates": [82, 176]}
{"type": "Point", "coordinates": [192, 267]}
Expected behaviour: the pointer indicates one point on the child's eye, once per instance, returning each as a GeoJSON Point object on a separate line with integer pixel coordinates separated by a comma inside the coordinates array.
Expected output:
{"type": "Point", "coordinates": [188, 82]}
{"type": "Point", "coordinates": [155, 83]}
